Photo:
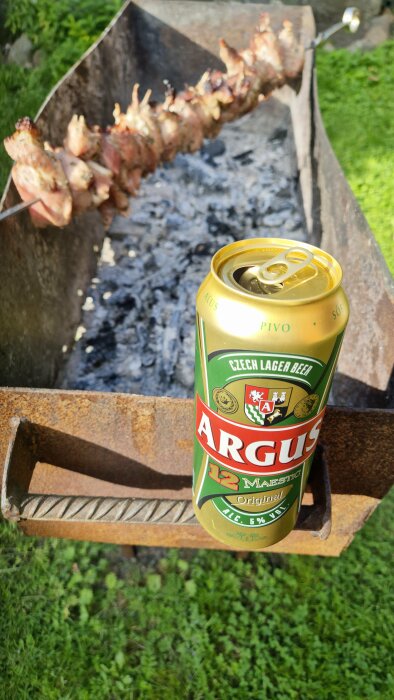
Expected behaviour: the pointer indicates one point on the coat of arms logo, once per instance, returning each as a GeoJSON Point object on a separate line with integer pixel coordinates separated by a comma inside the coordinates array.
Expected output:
{"type": "Point", "coordinates": [266, 406]}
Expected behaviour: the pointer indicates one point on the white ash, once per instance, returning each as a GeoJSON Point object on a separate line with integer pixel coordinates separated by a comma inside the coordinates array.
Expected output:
{"type": "Point", "coordinates": [140, 310]}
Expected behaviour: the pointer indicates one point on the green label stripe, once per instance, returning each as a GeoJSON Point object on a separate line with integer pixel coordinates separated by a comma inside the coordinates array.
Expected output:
{"type": "Point", "coordinates": [228, 366]}
{"type": "Point", "coordinates": [324, 385]}
{"type": "Point", "coordinates": [257, 519]}
{"type": "Point", "coordinates": [246, 484]}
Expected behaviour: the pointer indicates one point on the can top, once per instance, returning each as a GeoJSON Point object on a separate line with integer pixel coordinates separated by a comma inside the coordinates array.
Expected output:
{"type": "Point", "coordinates": [277, 270]}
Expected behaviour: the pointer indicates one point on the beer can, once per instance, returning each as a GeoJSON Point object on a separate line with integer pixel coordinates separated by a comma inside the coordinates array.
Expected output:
{"type": "Point", "coordinates": [271, 315]}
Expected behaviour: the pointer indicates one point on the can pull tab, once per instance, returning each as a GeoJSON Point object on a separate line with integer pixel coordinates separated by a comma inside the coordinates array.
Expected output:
{"type": "Point", "coordinates": [272, 272]}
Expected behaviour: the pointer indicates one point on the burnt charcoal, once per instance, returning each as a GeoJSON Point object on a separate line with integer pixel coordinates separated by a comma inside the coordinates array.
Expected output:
{"type": "Point", "coordinates": [202, 248]}
{"type": "Point", "coordinates": [141, 332]}
{"type": "Point", "coordinates": [108, 281]}
{"type": "Point", "coordinates": [212, 149]}
{"type": "Point", "coordinates": [104, 347]}
{"type": "Point", "coordinates": [131, 367]}
{"type": "Point", "coordinates": [245, 158]}
{"type": "Point", "coordinates": [163, 262]}
{"type": "Point", "coordinates": [185, 372]}
{"type": "Point", "coordinates": [120, 226]}
{"type": "Point", "coordinates": [278, 134]}
{"type": "Point", "coordinates": [216, 225]}
{"type": "Point", "coordinates": [221, 241]}
{"type": "Point", "coordinates": [267, 177]}
{"type": "Point", "coordinates": [170, 346]}
{"type": "Point", "coordinates": [186, 208]}
{"type": "Point", "coordinates": [287, 191]}
{"type": "Point", "coordinates": [198, 171]}
{"type": "Point", "coordinates": [243, 155]}
{"type": "Point", "coordinates": [122, 298]}
{"type": "Point", "coordinates": [276, 219]}
{"type": "Point", "coordinates": [158, 211]}
{"type": "Point", "coordinates": [139, 320]}
{"type": "Point", "coordinates": [175, 221]}
{"type": "Point", "coordinates": [83, 384]}
{"type": "Point", "coordinates": [141, 217]}
{"type": "Point", "coordinates": [148, 358]}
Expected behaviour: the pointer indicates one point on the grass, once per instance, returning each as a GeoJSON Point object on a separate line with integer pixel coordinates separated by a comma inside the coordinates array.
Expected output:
{"type": "Point", "coordinates": [77, 621]}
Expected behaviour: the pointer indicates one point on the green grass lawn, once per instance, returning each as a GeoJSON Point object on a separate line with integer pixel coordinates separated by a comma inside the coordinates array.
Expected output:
{"type": "Point", "coordinates": [78, 621]}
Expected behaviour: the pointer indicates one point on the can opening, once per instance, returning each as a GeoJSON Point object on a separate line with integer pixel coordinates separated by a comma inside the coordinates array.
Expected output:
{"type": "Point", "coordinates": [248, 279]}
{"type": "Point", "coordinates": [280, 269]}
{"type": "Point", "coordinates": [269, 277]}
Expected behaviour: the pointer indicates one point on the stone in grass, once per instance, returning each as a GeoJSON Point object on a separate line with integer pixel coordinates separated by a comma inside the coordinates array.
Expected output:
{"type": "Point", "coordinates": [378, 32]}
{"type": "Point", "coordinates": [21, 51]}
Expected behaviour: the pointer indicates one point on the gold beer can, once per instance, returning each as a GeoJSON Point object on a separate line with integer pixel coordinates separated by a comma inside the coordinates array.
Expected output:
{"type": "Point", "coordinates": [271, 315]}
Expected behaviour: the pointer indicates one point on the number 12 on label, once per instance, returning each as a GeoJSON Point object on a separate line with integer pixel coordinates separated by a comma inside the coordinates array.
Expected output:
{"type": "Point", "coordinates": [223, 477]}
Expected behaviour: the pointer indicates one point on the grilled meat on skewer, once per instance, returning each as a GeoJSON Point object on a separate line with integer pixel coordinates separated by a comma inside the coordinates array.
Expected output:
{"type": "Point", "coordinates": [80, 140]}
{"type": "Point", "coordinates": [38, 173]}
{"type": "Point", "coordinates": [100, 168]}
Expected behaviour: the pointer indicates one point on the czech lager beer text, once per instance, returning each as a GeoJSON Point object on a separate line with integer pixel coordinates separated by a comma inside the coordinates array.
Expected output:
{"type": "Point", "coordinates": [270, 320]}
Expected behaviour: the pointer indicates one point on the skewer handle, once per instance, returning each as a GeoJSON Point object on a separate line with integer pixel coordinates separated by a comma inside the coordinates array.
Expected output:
{"type": "Point", "coordinates": [351, 19]}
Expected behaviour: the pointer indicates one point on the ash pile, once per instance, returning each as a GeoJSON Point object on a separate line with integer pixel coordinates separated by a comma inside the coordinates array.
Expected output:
{"type": "Point", "coordinates": [137, 329]}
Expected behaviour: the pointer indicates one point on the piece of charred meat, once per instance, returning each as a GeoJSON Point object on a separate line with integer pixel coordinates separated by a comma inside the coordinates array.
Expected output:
{"type": "Point", "coordinates": [38, 172]}
{"type": "Point", "coordinates": [99, 168]}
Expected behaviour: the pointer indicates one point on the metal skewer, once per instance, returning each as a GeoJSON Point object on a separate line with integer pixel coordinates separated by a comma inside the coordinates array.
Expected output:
{"type": "Point", "coordinates": [17, 208]}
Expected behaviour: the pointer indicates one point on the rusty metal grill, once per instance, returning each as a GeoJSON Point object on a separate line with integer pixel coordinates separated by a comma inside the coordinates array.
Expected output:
{"type": "Point", "coordinates": [32, 444]}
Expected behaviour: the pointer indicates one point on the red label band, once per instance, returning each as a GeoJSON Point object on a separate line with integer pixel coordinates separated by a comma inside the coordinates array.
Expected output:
{"type": "Point", "coordinates": [255, 450]}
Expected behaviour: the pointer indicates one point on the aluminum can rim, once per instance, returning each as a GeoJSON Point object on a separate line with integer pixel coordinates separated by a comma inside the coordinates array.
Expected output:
{"type": "Point", "coordinates": [223, 253]}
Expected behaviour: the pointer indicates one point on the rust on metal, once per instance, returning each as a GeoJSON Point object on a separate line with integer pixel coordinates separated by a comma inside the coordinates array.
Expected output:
{"type": "Point", "coordinates": [348, 515]}
{"type": "Point", "coordinates": [90, 450]}
{"type": "Point", "coordinates": [31, 443]}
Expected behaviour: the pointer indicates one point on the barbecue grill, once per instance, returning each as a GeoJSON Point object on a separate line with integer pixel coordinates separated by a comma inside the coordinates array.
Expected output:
{"type": "Point", "coordinates": [116, 467]}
